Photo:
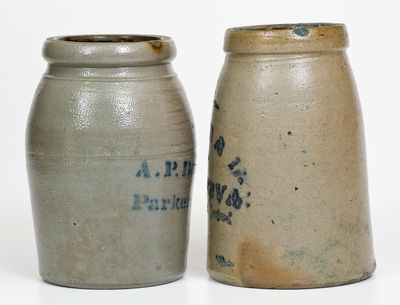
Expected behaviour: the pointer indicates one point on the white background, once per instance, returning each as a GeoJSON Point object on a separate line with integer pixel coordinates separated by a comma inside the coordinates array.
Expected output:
{"type": "Point", "coordinates": [198, 28]}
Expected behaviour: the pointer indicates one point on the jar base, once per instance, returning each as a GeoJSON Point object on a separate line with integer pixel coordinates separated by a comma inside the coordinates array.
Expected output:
{"type": "Point", "coordinates": [229, 280]}
{"type": "Point", "coordinates": [111, 286]}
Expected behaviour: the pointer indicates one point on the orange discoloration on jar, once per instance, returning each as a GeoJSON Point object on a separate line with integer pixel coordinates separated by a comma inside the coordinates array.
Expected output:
{"type": "Point", "coordinates": [157, 46]}
{"type": "Point", "coordinates": [259, 267]}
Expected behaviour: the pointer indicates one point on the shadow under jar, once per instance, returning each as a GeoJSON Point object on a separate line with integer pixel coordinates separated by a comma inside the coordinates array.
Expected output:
{"type": "Point", "coordinates": [110, 157]}
{"type": "Point", "coordinates": [287, 189]}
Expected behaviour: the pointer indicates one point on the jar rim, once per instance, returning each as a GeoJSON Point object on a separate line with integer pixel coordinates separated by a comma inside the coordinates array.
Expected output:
{"type": "Point", "coordinates": [107, 38]}
{"type": "Point", "coordinates": [286, 38]}
{"type": "Point", "coordinates": [109, 50]}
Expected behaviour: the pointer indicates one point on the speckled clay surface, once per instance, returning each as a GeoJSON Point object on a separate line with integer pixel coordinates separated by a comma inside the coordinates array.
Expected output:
{"type": "Point", "coordinates": [110, 158]}
{"type": "Point", "coordinates": [287, 188]}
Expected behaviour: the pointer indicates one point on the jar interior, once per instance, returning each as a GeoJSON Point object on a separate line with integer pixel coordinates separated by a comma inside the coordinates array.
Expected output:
{"type": "Point", "coordinates": [292, 26]}
{"type": "Point", "coordinates": [109, 38]}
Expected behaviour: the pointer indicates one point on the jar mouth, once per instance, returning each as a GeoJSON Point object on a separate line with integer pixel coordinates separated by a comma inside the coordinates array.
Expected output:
{"type": "Point", "coordinates": [109, 50]}
{"type": "Point", "coordinates": [283, 26]}
{"type": "Point", "coordinates": [108, 38]}
{"type": "Point", "coordinates": [286, 38]}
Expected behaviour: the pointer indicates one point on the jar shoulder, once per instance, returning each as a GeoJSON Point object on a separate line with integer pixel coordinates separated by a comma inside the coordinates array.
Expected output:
{"type": "Point", "coordinates": [261, 85]}
{"type": "Point", "coordinates": [308, 98]}
{"type": "Point", "coordinates": [115, 116]}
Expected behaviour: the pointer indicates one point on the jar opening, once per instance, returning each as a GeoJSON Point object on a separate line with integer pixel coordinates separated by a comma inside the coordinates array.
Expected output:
{"type": "Point", "coordinates": [287, 26]}
{"type": "Point", "coordinates": [108, 38]}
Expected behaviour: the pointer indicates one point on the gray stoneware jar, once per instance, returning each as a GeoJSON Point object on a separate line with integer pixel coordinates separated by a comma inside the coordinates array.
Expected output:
{"type": "Point", "coordinates": [110, 157]}
{"type": "Point", "coordinates": [288, 200]}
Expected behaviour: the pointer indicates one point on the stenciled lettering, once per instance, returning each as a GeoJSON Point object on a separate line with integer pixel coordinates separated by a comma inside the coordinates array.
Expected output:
{"type": "Point", "coordinates": [143, 201]}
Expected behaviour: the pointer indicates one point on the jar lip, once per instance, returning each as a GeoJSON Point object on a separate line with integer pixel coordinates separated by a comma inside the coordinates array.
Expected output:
{"type": "Point", "coordinates": [284, 26]}
{"type": "Point", "coordinates": [108, 38]}
{"type": "Point", "coordinates": [286, 38]}
{"type": "Point", "coordinates": [109, 50]}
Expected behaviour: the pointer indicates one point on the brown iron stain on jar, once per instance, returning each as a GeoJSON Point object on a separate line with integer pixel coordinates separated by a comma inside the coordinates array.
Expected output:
{"type": "Point", "coordinates": [156, 45]}
{"type": "Point", "coordinates": [259, 267]}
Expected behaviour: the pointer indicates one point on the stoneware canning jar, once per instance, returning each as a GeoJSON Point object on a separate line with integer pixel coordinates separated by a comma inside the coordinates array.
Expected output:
{"type": "Point", "coordinates": [287, 188]}
{"type": "Point", "coordinates": [110, 157]}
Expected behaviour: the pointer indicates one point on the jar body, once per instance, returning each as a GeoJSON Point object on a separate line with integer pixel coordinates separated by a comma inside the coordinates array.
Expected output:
{"type": "Point", "coordinates": [110, 156]}
{"type": "Point", "coordinates": [287, 189]}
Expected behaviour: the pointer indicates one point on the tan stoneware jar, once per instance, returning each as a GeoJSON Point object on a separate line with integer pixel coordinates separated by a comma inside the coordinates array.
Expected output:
{"type": "Point", "coordinates": [288, 200]}
{"type": "Point", "coordinates": [110, 156]}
